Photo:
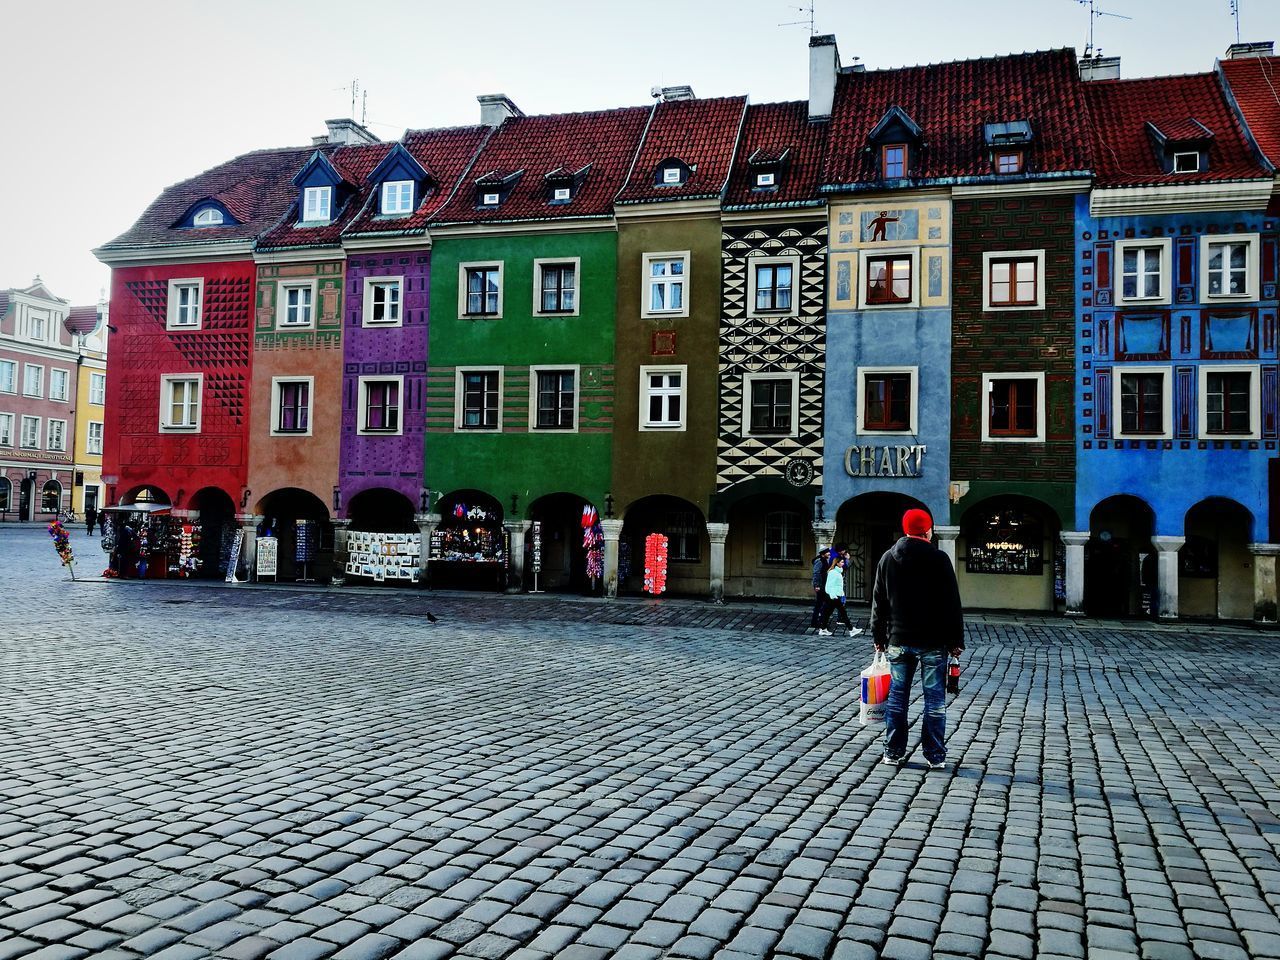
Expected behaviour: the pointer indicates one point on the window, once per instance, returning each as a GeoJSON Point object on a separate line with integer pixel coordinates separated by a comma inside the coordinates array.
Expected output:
{"type": "Point", "coordinates": [33, 380]}
{"type": "Point", "coordinates": [1230, 267]}
{"type": "Point", "coordinates": [1141, 270]}
{"type": "Point", "coordinates": [38, 325]}
{"type": "Point", "coordinates": [662, 398]}
{"type": "Point", "coordinates": [665, 277]}
{"type": "Point", "coordinates": [1186, 162]}
{"type": "Point", "coordinates": [478, 392]}
{"type": "Point", "coordinates": [672, 175]}
{"type": "Point", "coordinates": [380, 404]}
{"type": "Point", "coordinates": [1144, 403]}
{"type": "Point", "coordinates": [57, 439]}
{"type": "Point", "coordinates": [316, 203]}
{"type": "Point", "coordinates": [893, 161]}
{"type": "Point", "coordinates": [209, 217]}
{"type": "Point", "coordinates": [31, 433]}
{"type": "Point", "coordinates": [382, 301]}
{"type": "Point", "coordinates": [180, 402]}
{"type": "Point", "coordinates": [684, 536]}
{"type": "Point", "coordinates": [771, 403]}
{"type": "Point", "coordinates": [773, 286]}
{"type": "Point", "coordinates": [184, 304]}
{"type": "Point", "coordinates": [557, 282]}
{"type": "Point", "coordinates": [1015, 279]}
{"type": "Point", "coordinates": [93, 442]}
{"type": "Point", "coordinates": [556, 404]}
{"type": "Point", "coordinates": [766, 180]}
{"type": "Point", "coordinates": [887, 400]}
{"type": "Point", "coordinates": [562, 194]}
{"type": "Point", "coordinates": [51, 496]}
{"type": "Point", "coordinates": [490, 199]}
{"type": "Point", "coordinates": [481, 290]}
{"type": "Point", "coordinates": [6, 493]}
{"type": "Point", "coordinates": [888, 280]}
{"type": "Point", "coordinates": [295, 304]}
{"type": "Point", "coordinates": [59, 384]}
{"type": "Point", "coordinates": [291, 401]}
{"type": "Point", "coordinates": [6, 429]}
{"type": "Point", "coordinates": [782, 530]}
{"type": "Point", "coordinates": [1008, 161]}
{"type": "Point", "coordinates": [8, 376]}
{"type": "Point", "coordinates": [397, 197]}
{"type": "Point", "coordinates": [98, 388]}
{"type": "Point", "coordinates": [1014, 407]}
{"type": "Point", "coordinates": [1229, 401]}
{"type": "Point", "coordinates": [1004, 539]}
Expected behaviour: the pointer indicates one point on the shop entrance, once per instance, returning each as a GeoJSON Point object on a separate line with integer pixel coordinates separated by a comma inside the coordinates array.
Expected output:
{"type": "Point", "coordinates": [770, 550]}
{"type": "Point", "coordinates": [6, 496]}
{"type": "Point", "coordinates": [869, 525]}
{"type": "Point", "coordinates": [1214, 565]}
{"type": "Point", "coordinates": [216, 520]}
{"type": "Point", "coordinates": [299, 520]}
{"type": "Point", "coordinates": [469, 547]}
{"type": "Point", "coordinates": [1119, 560]}
{"type": "Point", "coordinates": [25, 499]}
{"type": "Point", "coordinates": [688, 547]}
{"type": "Point", "coordinates": [563, 556]}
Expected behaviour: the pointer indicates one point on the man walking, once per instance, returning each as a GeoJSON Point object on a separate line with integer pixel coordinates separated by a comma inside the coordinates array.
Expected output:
{"type": "Point", "coordinates": [915, 615]}
{"type": "Point", "coordinates": [819, 580]}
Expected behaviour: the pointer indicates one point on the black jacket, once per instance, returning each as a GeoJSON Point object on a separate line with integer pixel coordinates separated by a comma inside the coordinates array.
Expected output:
{"type": "Point", "coordinates": [916, 602]}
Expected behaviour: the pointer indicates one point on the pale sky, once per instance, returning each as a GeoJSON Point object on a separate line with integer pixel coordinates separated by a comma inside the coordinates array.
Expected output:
{"type": "Point", "coordinates": [105, 103]}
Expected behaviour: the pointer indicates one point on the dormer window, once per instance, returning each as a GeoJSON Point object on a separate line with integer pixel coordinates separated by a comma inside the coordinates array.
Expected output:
{"type": "Point", "coordinates": [317, 202]}
{"type": "Point", "coordinates": [397, 197]}
{"type": "Point", "coordinates": [1008, 162]}
{"type": "Point", "coordinates": [764, 180]}
{"type": "Point", "coordinates": [1186, 162]}
{"type": "Point", "coordinates": [562, 194]}
{"type": "Point", "coordinates": [1181, 146]}
{"type": "Point", "coordinates": [209, 217]}
{"type": "Point", "coordinates": [490, 199]}
{"type": "Point", "coordinates": [672, 173]}
{"type": "Point", "coordinates": [893, 161]}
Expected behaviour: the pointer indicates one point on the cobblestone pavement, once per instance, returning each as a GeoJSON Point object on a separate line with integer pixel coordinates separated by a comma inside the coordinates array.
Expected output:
{"type": "Point", "coordinates": [193, 771]}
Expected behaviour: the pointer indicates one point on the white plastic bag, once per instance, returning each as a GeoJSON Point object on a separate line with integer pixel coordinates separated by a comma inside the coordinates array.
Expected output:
{"type": "Point", "coordinates": [875, 690]}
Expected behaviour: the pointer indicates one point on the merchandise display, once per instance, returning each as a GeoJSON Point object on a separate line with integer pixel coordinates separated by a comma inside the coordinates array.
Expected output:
{"type": "Point", "coordinates": [188, 550]}
{"type": "Point", "coordinates": [655, 563]}
{"type": "Point", "coordinates": [384, 556]}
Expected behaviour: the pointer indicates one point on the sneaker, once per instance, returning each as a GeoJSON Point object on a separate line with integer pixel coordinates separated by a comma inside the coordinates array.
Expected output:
{"type": "Point", "coordinates": [823, 632]}
{"type": "Point", "coordinates": [937, 765]}
{"type": "Point", "coordinates": [855, 631]}
{"type": "Point", "coordinates": [889, 761]}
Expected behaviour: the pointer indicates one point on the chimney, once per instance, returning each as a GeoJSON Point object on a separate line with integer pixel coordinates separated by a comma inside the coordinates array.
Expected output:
{"type": "Point", "coordinates": [346, 132]}
{"type": "Point", "coordinates": [1100, 68]}
{"type": "Point", "coordinates": [496, 107]}
{"type": "Point", "coordinates": [680, 92]}
{"type": "Point", "coordinates": [824, 64]}
{"type": "Point", "coordinates": [1242, 51]}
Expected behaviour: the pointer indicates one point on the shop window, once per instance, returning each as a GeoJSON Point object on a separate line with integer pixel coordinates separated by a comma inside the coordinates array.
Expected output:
{"type": "Point", "coordinates": [6, 494]}
{"type": "Point", "coordinates": [1229, 401]}
{"type": "Point", "coordinates": [557, 286]}
{"type": "Point", "coordinates": [666, 275]}
{"type": "Point", "coordinates": [888, 280]}
{"type": "Point", "coordinates": [1015, 407]}
{"type": "Point", "coordinates": [684, 536]}
{"type": "Point", "coordinates": [893, 161]}
{"type": "Point", "coordinates": [1143, 398]}
{"type": "Point", "coordinates": [31, 433]}
{"type": "Point", "coordinates": [478, 393]}
{"type": "Point", "coordinates": [180, 402]}
{"type": "Point", "coordinates": [481, 293]}
{"type": "Point", "coordinates": [184, 304]}
{"type": "Point", "coordinates": [1005, 540]}
{"type": "Point", "coordinates": [380, 405]}
{"type": "Point", "coordinates": [295, 307]}
{"type": "Point", "coordinates": [782, 530]}
{"type": "Point", "coordinates": [662, 398]}
{"type": "Point", "coordinates": [382, 296]}
{"type": "Point", "coordinates": [557, 397]}
{"type": "Point", "coordinates": [51, 496]}
{"type": "Point", "coordinates": [888, 400]}
{"type": "Point", "coordinates": [772, 404]}
{"type": "Point", "coordinates": [292, 405]}
{"type": "Point", "coordinates": [469, 533]}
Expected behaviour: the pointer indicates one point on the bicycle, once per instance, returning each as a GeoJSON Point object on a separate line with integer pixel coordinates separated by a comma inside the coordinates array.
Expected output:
{"type": "Point", "coordinates": [69, 516]}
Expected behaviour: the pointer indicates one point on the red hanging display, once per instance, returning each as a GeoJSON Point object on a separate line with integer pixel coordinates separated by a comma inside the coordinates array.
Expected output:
{"type": "Point", "coordinates": [655, 563]}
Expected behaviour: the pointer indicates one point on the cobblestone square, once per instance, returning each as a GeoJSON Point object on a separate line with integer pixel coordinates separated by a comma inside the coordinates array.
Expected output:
{"type": "Point", "coordinates": [194, 771]}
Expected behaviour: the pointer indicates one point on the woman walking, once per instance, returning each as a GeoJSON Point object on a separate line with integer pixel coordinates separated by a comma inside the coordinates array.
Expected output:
{"type": "Point", "coordinates": [834, 589]}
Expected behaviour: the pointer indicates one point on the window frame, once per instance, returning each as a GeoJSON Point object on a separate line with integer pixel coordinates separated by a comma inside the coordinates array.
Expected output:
{"type": "Point", "coordinates": [490, 199]}
{"type": "Point", "coordinates": [167, 380]}
{"type": "Point", "coordinates": [534, 371]}
{"type": "Point", "coordinates": [748, 380]}
{"type": "Point", "coordinates": [210, 213]}
{"type": "Point", "coordinates": [764, 184]}
{"type": "Point", "coordinates": [665, 426]}
{"type": "Point", "coordinates": [98, 389]}
{"type": "Point", "coordinates": [999, 155]}
{"type": "Point", "coordinates": [913, 423]}
{"type": "Point", "coordinates": [542, 263]}
{"type": "Point", "coordinates": [1179, 154]}
{"type": "Point", "coordinates": [6, 429]}
{"type": "Point", "coordinates": [62, 435]}
{"type": "Point", "coordinates": [753, 263]}
{"type": "Point", "coordinates": [366, 309]}
{"type": "Point", "coordinates": [66, 384]}
{"type": "Point", "coordinates": [277, 394]}
{"type": "Point", "coordinates": [324, 191]}
{"type": "Point", "coordinates": [1255, 400]}
{"type": "Point", "coordinates": [866, 256]}
{"type": "Point", "coordinates": [799, 541]}
{"type": "Point", "coordinates": [174, 307]}
{"type": "Point", "coordinates": [26, 370]}
{"type": "Point", "coordinates": [89, 438]}
{"type": "Point", "coordinates": [884, 160]}
{"type": "Point", "coordinates": [22, 433]}
{"type": "Point", "coordinates": [1251, 241]}
{"type": "Point", "coordinates": [988, 380]}
{"type": "Point", "coordinates": [647, 282]}
{"type": "Point", "coordinates": [400, 209]}
{"type": "Point", "coordinates": [667, 180]}
{"type": "Point", "coordinates": [463, 270]}
{"type": "Point", "coordinates": [46, 333]}
{"type": "Point", "coordinates": [1117, 402]}
{"type": "Point", "coordinates": [459, 399]}
{"type": "Point", "coordinates": [283, 288]}
{"type": "Point", "coordinates": [1165, 246]}
{"type": "Point", "coordinates": [362, 405]}
{"type": "Point", "coordinates": [990, 256]}
{"type": "Point", "coordinates": [13, 381]}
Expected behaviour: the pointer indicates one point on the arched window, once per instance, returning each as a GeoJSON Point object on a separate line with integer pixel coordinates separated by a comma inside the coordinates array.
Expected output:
{"type": "Point", "coordinates": [51, 497]}
{"type": "Point", "coordinates": [1005, 539]}
{"type": "Point", "coordinates": [6, 493]}
{"type": "Point", "coordinates": [209, 217]}
{"type": "Point", "coordinates": [782, 530]}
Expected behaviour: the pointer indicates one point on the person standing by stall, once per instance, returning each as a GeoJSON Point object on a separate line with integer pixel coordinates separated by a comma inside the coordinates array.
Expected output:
{"type": "Point", "coordinates": [90, 519]}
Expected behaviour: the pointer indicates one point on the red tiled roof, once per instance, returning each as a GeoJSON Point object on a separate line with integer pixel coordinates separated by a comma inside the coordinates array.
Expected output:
{"type": "Point", "coordinates": [1123, 150]}
{"type": "Point", "coordinates": [255, 187]}
{"type": "Point", "coordinates": [352, 163]}
{"type": "Point", "coordinates": [951, 102]}
{"type": "Point", "coordinates": [81, 320]}
{"type": "Point", "coordinates": [770, 131]}
{"type": "Point", "coordinates": [562, 143]}
{"type": "Point", "coordinates": [1255, 83]}
{"type": "Point", "coordinates": [445, 154]}
{"type": "Point", "coordinates": [702, 133]}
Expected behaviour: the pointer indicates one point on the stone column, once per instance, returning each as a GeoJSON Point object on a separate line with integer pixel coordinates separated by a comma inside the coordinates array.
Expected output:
{"type": "Point", "coordinates": [717, 532]}
{"type": "Point", "coordinates": [515, 563]}
{"type": "Point", "coordinates": [427, 523]}
{"type": "Point", "coordinates": [947, 542]}
{"type": "Point", "coordinates": [1167, 575]}
{"type": "Point", "coordinates": [341, 550]}
{"type": "Point", "coordinates": [612, 530]}
{"type": "Point", "coordinates": [1074, 541]}
{"type": "Point", "coordinates": [1264, 581]}
{"type": "Point", "coordinates": [249, 549]}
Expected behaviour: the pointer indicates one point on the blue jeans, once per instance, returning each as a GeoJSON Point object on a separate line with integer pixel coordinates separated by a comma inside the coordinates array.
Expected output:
{"type": "Point", "coordinates": [933, 677]}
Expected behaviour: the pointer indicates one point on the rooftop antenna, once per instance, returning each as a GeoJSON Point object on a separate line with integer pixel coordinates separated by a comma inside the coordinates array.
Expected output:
{"type": "Point", "coordinates": [809, 21]}
{"type": "Point", "coordinates": [364, 106]}
{"type": "Point", "coordinates": [1235, 13]}
{"type": "Point", "coordinates": [355, 89]}
{"type": "Point", "coordinates": [1094, 14]}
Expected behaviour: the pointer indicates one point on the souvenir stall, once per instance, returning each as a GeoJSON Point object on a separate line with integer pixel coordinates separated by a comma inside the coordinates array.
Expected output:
{"type": "Point", "coordinates": [142, 541]}
{"type": "Point", "coordinates": [470, 547]}
{"type": "Point", "coordinates": [384, 557]}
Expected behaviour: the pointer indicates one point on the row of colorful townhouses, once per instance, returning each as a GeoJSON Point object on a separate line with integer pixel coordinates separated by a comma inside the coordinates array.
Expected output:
{"type": "Point", "coordinates": [1033, 298]}
{"type": "Point", "coordinates": [53, 384]}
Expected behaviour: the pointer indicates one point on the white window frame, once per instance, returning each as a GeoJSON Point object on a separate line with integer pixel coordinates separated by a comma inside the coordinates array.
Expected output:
{"type": "Point", "coordinates": [1165, 245]}
{"type": "Point", "coordinates": [34, 316]}
{"type": "Point", "coordinates": [462, 288]}
{"type": "Point", "coordinates": [276, 383]}
{"type": "Point", "coordinates": [647, 282]}
{"type": "Point", "coordinates": [283, 288]}
{"type": "Point", "coordinates": [362, 399]}
{"type": "Point", "coordinates": [766, 179]}
{"type": "Point", "coordinates": [66, 384]}
{"type": "Point", "coordinates": [62, 436]}
{"type": "Point", "coordinates": [1255, 400]}
{"type": "Point", "coordinates": [366, 316]}
{"type": "Point", "coordinates": [173, 320]}
{"type": "Point", "coordinates": [166, 402]}
{"type": "Point", "coordinates": [1195, 154]}
{"type": "Point", "coordinates": [988, 256]}
{"type": "Point", "coordinates": [647, 426]}
{"type": "Point", "coordinates": [316, 194]}
{"type": "Point", "coordinates": [12, 366]}
{"type": "Point", "coordinates": [988, 379]}
{"type": "Point", "coordinates": [562, 194]}
{"type": "Point", "coordinates": [208, 217]}
{"type": "Point", "coordinates": [1251, 267]}
{"type": "Point", "coordinates": [458, 399]}
{"type": "Point", "coordinates": [394, 190]}
{"type": "Point", "coordinates": [573, 368]}
{"type": "Point", "coordinates": [748, 379]}
{"type": "Point", "coordinates": [860, 402]}
{"type": "Point", "coordinates": [98, 389]}
{"type": "Point", "coordinates": [93, 444]}
{"type": "Point", "coordinates": [672, 175]}
{"type": "Point", "coordinates": [752, 264]}
{"type": "Point", "coordinates": [1117, 421]}
{"type": "Point", "coordinates": [538, 265]}
{"type": "Point", "coordinates": [878, 253]}
{"type": "Point", "coordinates": [26, 377]}
{"type": "Point", "coordinates": [6, 429]}
{"type": "Point", "coordinates": [22, 438]}
{"type": "Point", "coordinates": [490, 199]}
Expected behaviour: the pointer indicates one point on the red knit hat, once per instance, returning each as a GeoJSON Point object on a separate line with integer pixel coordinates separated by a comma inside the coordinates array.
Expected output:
{"type": "Point", "coordinates": [916, 523]}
